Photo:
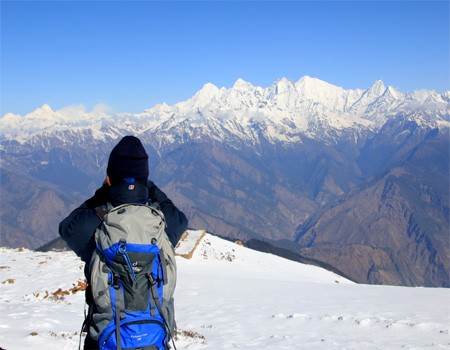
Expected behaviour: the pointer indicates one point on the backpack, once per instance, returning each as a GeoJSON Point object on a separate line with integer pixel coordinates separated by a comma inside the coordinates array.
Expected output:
{"type": "Point", "coordinates": [133, 278]}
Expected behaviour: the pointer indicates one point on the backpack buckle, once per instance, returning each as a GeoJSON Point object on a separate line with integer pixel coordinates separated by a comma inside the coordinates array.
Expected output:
{"type": "Point", "coordinates": [116, 281]}
{"type": "Point", "coordinates": [151, 279]}
{"type": "Point", "coordinates": [122, 247]}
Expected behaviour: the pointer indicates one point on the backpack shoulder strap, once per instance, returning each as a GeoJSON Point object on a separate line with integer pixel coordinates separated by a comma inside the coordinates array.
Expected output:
{"type": "Point", "coordinates": [103, 210]}
{"type": "Point", "coordinates": [101, 213]}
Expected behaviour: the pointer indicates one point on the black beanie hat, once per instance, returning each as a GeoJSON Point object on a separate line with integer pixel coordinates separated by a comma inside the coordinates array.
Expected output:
{"type": "Point", "coordinates": [128, 160]}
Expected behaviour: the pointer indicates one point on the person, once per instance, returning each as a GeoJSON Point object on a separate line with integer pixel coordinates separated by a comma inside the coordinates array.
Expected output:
{"type": "Point", "coordinates": [127, 181]}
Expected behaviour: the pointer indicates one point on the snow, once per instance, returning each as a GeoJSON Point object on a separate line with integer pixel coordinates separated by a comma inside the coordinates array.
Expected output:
{"type": "Point", "coordinates": [229, 297]}
{"type": "Point", "coordinates": [333, 97]}
{"type": "Point", "coordinates": [241, 84]}
{"type": "Point", "coordinates": [205, 95]}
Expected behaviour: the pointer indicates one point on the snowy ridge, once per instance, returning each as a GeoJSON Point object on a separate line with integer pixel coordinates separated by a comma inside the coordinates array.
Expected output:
{"type": "Point", "coordinates": [228, 297]}
{"type": "Point", "coordinates": [283, 111]}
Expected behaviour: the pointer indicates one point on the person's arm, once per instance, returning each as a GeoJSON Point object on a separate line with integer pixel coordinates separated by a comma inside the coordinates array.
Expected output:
{"type": "Point", "coordinates": [175, 219]}
{"type": "Point", "coordinates": [78, 229]}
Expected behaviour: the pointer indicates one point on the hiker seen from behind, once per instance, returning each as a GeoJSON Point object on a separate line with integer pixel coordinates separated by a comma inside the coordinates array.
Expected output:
{"type": "Point", "coordinates": [125, 234]}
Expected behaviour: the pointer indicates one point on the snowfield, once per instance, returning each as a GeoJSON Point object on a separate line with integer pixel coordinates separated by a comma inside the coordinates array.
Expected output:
{"type": "Point", "coordinates": [228, 297]}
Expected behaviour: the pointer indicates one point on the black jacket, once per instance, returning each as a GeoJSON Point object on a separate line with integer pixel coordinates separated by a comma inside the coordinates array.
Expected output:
{"type": "Point", "coordinates": [78, 229]}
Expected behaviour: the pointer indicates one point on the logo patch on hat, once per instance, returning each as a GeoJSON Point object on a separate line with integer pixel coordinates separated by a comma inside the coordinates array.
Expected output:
{"type": "Point", "coordinates": [130, 181]}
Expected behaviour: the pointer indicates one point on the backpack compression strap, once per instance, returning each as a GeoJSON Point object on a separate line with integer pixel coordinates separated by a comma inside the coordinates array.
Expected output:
{"type": "Point", "coordinates": [120, 307]}
{"type": "Point", "coordinates": [157, 302]}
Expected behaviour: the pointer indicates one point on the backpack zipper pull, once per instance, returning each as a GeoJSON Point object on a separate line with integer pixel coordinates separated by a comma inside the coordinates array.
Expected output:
{"type": "Point", "coordinates": [122, 249]}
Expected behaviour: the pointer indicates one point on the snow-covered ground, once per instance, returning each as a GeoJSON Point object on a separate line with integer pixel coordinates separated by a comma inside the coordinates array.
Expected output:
{"type": "Point", "coordinates": [229, 297]}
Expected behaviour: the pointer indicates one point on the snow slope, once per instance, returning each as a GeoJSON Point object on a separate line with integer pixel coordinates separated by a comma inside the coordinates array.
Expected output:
{"type": "Point", "coordinates": [229, 297]}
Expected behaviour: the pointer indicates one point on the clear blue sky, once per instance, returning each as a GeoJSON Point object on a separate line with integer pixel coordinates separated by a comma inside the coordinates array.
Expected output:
{"type": "Point", "coordinates": [132, 55]}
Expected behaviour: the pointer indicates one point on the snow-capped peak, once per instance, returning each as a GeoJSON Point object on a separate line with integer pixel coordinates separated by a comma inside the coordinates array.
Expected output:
{"type": "Point", "coordinates": [378, 86]}
{"type": "Point", "coordinates": [307, 85]}
{"type": "Point", "coordinates": [44, 109]}
{"type": "Point", "coordinates": [281, 86]}
{"type": "Point", "coordinates": [44, 112]}
{"type": "Point", "coordinates": [208, 93]}
{"type": "Point", "coordinates": [316, 89]}
{"type": "Point", "coordinates": [41, 117]}
{"type": "Point", "coordinates": [376, 90]}
{"type": "Point", "coordinates": [369, 97]}
{"type": "Point", "coordinates": [241, 84]}
{"type": "Point", "coordinates": [394, 93]}
{"type": "Point", "coordinates": [284, 84]}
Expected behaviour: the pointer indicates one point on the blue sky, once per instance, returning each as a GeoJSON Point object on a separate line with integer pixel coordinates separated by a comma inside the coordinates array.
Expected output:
{"type": "Point", "coordinates": [132, 55]}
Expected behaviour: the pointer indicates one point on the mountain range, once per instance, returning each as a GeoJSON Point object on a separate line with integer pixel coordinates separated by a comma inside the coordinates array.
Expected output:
{"type": "Point", "coordinates": [358, 179]}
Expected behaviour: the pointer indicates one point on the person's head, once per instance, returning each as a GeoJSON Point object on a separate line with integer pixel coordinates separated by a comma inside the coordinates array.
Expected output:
{"type": "Point", "coordinates": [128, 160]}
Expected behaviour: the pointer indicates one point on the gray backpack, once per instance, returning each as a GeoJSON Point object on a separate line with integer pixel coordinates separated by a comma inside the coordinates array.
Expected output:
{"type": "Point", "coordinates": [133, 278]}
